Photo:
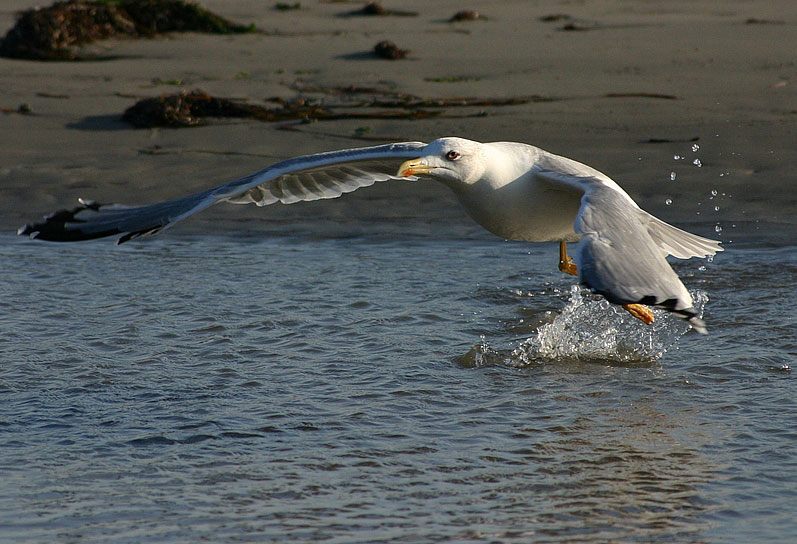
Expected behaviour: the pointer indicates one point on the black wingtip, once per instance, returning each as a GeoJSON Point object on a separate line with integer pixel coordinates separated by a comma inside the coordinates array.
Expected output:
{"type": "Point", "coordinates": [690, 315]}
{"type": "Point", "coordinates": [53, 228]}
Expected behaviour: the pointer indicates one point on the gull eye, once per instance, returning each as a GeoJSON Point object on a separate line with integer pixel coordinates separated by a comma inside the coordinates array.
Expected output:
{"type": "Point", "coordinates": [452, 155]}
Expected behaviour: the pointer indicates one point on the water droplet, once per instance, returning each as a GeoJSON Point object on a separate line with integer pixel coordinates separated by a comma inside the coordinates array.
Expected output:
{"type": "Point", "coordinates": [672, 176]}
{"type": "Point", "coordinates": [710, 258]}
{"type": "Point", "coordinates": [697, 163]}
{"type": "Point", "coordinates": [695, 148]}
{"type": "Point", "coordinates": [713, 192]}
{"type": "Point", "coordinates": [677, 157]}
{"type": "Point", "coordinates": [668, 201]}
{"type": "Point", "coordinates": [717, 229]}
{"type": "Point", "coordinates": [716, 208]}
{"type": "Point", "coordinates": [702, 268]}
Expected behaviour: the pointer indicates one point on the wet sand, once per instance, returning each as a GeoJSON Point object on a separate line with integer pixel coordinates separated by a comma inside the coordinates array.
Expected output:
{"type": "Point", "coordinates": [634, 85]}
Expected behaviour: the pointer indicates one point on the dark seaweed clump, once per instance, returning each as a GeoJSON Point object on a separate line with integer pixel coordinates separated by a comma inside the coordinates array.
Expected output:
{"type": "Point", "coordinates": [56, 32]}
{"type": "Point", "coordinates": [375, 8]}
{"type": "Point", "coordinates": [389, 50]}
{"type": "Point", "coordinates": [186, 109]}
{"type": "Point", "coordinates": [467, 15]}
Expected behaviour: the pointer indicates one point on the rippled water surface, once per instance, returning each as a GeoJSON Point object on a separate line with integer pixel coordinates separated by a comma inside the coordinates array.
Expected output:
{"type": "Point", "coordinates": [367, 389]}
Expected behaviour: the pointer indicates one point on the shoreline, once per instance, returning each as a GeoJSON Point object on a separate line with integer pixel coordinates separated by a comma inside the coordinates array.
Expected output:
{"type": "Point", "coordinates": [631, 92]}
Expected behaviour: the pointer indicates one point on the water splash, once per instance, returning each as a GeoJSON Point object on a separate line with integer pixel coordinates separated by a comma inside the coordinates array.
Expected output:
{"type": "Point", "coordinates": [591, 329]}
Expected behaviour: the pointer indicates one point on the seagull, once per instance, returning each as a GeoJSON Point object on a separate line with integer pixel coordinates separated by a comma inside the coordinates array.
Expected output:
{"type": "Point", "coordinates": [513, 190]}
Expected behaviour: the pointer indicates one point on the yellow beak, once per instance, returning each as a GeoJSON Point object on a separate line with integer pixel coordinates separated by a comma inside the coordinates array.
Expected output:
{"type": "Point", "coordinates": [413, 167]}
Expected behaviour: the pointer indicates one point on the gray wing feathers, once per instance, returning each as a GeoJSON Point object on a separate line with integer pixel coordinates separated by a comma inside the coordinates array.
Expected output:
{"type": "Point", "coordinates": [618, 257]}
{"type": "Point", "coordinates": [672, 240]}
{"type": "Point", "coordinates": [323, 175]}
{"type": "Point", "coordinates": [330, 182]}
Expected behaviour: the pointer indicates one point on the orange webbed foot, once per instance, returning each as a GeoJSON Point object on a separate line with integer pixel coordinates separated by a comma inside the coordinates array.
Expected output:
{"type": "Point", "coordinates": [640, 311]}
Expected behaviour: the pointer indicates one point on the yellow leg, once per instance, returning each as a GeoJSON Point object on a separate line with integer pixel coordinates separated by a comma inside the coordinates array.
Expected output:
{"type": "Point", "coordinates": [640, 311]}
{"type": "Point", "coordinates": [566, 264]}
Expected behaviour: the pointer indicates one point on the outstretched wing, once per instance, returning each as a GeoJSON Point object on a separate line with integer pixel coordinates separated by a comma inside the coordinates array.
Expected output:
{"type": "Point", "coordinates": [310, 177]}
{"type": "Point", "coordinates": [620, 257]}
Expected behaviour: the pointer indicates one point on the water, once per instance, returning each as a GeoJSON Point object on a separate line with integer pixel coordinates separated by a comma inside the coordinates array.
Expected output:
{"type": "Point", "coordinates": [397, 388]}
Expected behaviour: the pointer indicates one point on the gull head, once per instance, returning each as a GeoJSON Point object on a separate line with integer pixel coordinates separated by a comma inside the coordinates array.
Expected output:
{"type": "Point", "coordinates": [451, 160]}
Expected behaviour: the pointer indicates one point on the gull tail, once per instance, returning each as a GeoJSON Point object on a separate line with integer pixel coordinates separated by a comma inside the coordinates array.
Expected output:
{"type": "Point", "coordinates": [679, 243]}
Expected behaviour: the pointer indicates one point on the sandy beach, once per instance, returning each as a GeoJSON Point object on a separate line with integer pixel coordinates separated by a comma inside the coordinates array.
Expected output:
{"type": "Point", "coordinates": [629, 88]}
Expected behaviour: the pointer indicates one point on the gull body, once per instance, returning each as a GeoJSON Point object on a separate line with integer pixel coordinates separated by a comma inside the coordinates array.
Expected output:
{"type": "Point", "coordinates": [498, 185]}
{"type": "Point", "coordinates": [514, 190]}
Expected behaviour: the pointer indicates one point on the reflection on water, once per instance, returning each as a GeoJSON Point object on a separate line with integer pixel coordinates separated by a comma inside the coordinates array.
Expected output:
{"type": "Point", "coordinates": [624, 473]}
{"type": "Point", "coordinates": [308, 390]}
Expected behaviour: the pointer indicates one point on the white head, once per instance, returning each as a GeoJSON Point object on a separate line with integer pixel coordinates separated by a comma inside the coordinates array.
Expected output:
{"type": "Point", "coordinates": [451, 160]}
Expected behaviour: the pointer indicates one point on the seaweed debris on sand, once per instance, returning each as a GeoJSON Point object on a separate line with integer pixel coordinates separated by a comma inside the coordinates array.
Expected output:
{"type": "Point", "coordinates": [467, 15]}
{"type": "Point", "coordinates": [192, 108]}
{"type": "Point", "coordinates": [375, 8]}
{"type": "Point", "coordinates": [57, 32]}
